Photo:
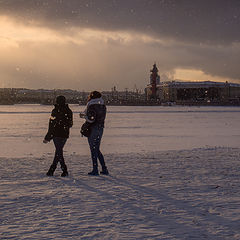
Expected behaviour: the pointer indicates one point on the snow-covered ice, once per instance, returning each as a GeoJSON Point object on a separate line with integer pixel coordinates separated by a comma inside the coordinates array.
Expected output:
{"type": "Point", "coordinates": [174, 175]}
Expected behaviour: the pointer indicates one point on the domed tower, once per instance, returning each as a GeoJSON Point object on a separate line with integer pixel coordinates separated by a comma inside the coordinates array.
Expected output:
{"type": "Point", "coordinates": [154, 80]}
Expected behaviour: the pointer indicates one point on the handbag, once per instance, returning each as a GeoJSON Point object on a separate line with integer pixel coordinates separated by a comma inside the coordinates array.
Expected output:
{"type": "Point", "coordinates": [86, 129]}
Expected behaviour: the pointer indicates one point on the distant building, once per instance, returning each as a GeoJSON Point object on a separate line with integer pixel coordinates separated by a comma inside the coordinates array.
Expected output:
{"type": "Point", "coordinates": [126, 97]}
{"type": "Point", "coordinates": [206, 91]}
{"type": "Point", "coordinates": [192, 92]}
{"type": "Point", "coordinates": [43, 96]}
{"type": "Point", "coordinates": [7, 96]}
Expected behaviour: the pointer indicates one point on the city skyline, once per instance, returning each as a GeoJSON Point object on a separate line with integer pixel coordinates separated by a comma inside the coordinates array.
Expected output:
{"type": "Point", "coordinates": [86, 45]}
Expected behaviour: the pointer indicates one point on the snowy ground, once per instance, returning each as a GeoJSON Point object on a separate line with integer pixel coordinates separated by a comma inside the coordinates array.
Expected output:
{"type": "Point", "coordinates": [174, 175]}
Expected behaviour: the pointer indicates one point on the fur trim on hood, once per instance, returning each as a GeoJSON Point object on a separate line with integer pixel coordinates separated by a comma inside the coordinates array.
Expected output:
{"type": "Point", "coordinates": [95, 101]}
{"type": "Point", "coordinates": [99, 101]}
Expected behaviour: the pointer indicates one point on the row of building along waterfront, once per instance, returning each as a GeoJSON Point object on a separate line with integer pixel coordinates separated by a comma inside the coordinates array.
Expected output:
{"type": "Point", "coordinates": [192, 93]}
{"type": "Point", "coordinates": [155, 93]}
{"type": "Point", "coordinates": [43, 96]}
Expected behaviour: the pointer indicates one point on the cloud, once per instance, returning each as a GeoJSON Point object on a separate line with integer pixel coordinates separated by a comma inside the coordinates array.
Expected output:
{"type": "Point", "coordinates": [100, 60]}
{"type": "Point", "coordinates": [97, 44]}
{"type": "Point", "coordinates": [215, 21]}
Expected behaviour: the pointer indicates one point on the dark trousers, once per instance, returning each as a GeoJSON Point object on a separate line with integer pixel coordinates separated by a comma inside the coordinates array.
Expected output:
{"type": "Point", "coordinates": [59, 144]}
{"type": "Point", "coordinates": [94, 141]}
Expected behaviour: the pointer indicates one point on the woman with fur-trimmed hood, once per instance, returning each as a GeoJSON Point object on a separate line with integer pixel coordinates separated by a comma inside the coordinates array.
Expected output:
{"type": "Point", "coordinates": [95, 114]}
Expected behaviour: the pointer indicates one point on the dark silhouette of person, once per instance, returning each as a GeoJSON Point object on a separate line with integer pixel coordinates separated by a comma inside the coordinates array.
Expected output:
{"type": "Point", "coordinates": [60, 122]}
{"type": "Point", "coordinates": [95, 114]}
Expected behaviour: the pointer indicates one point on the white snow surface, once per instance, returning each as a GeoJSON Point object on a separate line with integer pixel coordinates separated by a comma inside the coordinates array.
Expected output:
{"type": "Point", "coordinates": [174, 174]}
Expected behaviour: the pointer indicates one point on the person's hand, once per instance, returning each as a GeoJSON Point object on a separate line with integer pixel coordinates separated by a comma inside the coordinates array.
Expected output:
{"type": "Point", "coordinates": [45, 141]}
{"type": "Point", "coordinates": [81, 115]}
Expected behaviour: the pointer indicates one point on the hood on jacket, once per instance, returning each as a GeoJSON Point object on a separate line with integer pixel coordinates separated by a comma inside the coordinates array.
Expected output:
{"type": "Point", "coordinates": [99, 101]}
{"type": "Point", "coordinates": [60, 100]}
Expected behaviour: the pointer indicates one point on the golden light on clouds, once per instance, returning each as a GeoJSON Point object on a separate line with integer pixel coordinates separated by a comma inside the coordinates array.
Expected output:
{"type": "Point", "coordinates": [38, 55]}
{"type": "Point", "coordinates": [13, 33]}
{"type": "Point", "coordinates": [196, 75]}
{"type": "Point", "coordinates": [70, 58]}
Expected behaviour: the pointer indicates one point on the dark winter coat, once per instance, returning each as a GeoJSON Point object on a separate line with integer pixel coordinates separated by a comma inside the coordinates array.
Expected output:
{"type": "Point", "coordinates": [60, 122]}
{"type": "Point", "coordinates": [96, 112]}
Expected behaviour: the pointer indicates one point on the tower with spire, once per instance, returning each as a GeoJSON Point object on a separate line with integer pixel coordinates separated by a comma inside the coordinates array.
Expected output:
{"type": "Point", "coordinates": [154, 81]}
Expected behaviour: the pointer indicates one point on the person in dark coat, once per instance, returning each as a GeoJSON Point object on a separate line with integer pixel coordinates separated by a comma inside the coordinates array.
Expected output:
{"type": "Point", "coordinates": [95, 114]}
{"type": "Point", "coordinates": [60, 122]}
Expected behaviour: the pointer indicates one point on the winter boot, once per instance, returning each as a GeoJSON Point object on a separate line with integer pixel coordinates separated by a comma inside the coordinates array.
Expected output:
{"type": "Point", "coordinates": [65, 172]}
{"type": "Point", "coordinates": [51, 170]}
{"type": "Point", "coordinates": [104, 171]}
{"type": "Point", "coordinates": [94, 172]}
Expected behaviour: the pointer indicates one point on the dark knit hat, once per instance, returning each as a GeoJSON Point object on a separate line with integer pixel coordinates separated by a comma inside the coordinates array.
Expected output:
{"type": "Point", "coordinates": [95, 94]}
{"type": "Point", "coordinates": [61, 100]}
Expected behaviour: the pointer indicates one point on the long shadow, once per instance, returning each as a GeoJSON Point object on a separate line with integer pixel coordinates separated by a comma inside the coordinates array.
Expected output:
{"type": "Point", "coordinates": [164, 223]}
{"type": "Point", "coordinates": [181, 205]}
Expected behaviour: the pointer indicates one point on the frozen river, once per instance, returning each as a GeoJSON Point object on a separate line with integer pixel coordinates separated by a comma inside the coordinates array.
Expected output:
{"type": "Point", "coordinates": [133, 129]}
{"type": "Point", "coordinates": [174, 175]}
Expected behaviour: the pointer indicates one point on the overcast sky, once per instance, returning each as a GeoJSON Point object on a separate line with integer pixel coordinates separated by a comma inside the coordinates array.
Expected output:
{"type": "Point", "coordinates": [98, 44]}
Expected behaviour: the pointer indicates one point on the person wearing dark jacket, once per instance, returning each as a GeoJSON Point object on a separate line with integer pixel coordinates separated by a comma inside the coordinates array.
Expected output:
{"type": "Point", "coordinates": [95, 114]}
{"type": "Point", "coordinates": [60, 122]}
